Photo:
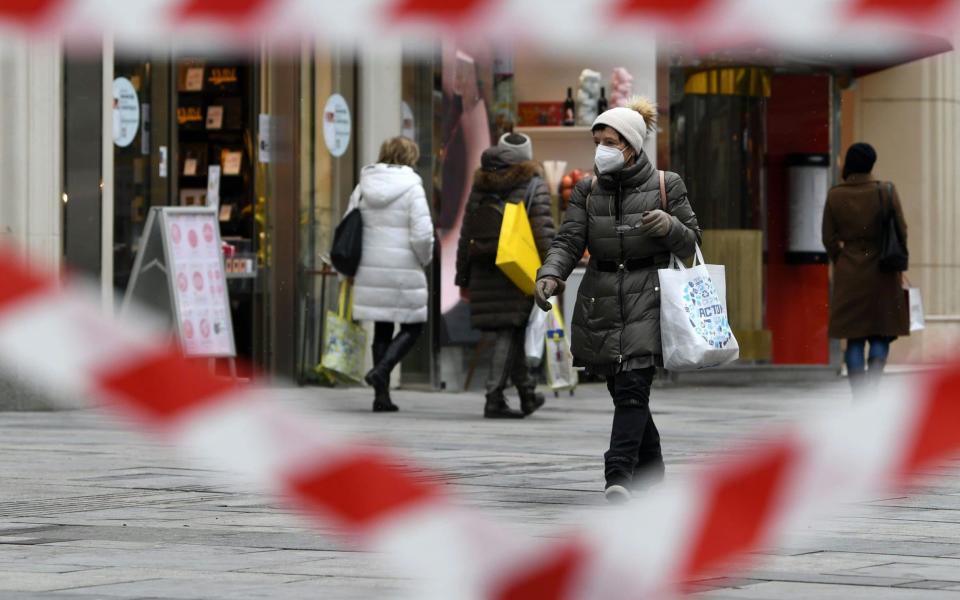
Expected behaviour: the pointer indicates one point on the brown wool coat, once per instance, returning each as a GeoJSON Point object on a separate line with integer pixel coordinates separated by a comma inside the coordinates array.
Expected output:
{"type": "Point", "coordinates": [865, 302]}
{"type": "Point", "coordinates": [495, 302]}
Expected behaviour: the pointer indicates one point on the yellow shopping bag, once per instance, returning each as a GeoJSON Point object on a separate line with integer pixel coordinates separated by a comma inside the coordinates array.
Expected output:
{"type": "Point", "coordinates": [344, 342]}
{"type": "Point", "coordinates": [517, 254]}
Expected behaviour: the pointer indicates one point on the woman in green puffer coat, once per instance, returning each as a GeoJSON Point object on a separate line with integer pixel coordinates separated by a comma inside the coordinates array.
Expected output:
{"type": "Point", "coordinates": [619, 217]}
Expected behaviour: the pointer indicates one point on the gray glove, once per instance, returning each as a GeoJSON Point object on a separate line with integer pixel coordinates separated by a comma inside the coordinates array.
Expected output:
{"type": "Point", "coordinates": [655, 223]}
{"type": "Point", "coordinates": [546, 288]}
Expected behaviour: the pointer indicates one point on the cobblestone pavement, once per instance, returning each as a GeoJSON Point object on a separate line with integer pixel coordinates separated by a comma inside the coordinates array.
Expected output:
{"type": "Point", "coordinates": [91, 510]}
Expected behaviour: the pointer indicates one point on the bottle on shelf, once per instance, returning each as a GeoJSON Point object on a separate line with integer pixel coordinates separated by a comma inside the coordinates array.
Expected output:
{"type": "Point", "coordinates": [569, 117]}
{"type": "Point", "coordinates": [602, 101]}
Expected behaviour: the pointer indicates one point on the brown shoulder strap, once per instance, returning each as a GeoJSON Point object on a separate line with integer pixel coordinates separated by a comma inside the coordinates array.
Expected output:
{"type": "Point", "coordinates": [663, 192]}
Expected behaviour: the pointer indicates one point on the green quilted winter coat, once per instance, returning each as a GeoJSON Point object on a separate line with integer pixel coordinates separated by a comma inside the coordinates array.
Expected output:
{"type": "Point", "coordinates": [616, 322]}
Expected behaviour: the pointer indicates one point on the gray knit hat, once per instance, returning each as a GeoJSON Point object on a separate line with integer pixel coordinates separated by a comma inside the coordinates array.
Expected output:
{"type": "Point", "coordinates": [632, 121]}
{"type": "Point", "coordinates": [517, 151]}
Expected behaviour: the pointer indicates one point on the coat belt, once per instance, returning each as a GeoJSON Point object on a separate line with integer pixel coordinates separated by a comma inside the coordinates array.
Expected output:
{"type": "Point", "coordinates": [631, 264]}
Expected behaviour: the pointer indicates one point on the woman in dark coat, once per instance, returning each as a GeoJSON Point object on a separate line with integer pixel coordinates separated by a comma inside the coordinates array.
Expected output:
{"type": "Point", "coordinates": [867, 305]}
{"type": "Point", "coordinates": [507, 175]}
{"type": "Point", "coordinates": [617, 216]}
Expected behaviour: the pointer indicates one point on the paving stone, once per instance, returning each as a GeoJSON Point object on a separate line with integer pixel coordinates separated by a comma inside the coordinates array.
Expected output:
{"type": "Point", "coordinates": [784, 590]}
{"type": "Point", "coordinates": [858, 579]}
{"type": "Point", "coordinates": [945, 569]}
{"type": "Point", "coordinates": [930, 585]}
{"type": "Point", "coordinates": [113, 575]}
{"type": "Point", "coordinates": [822, 562]}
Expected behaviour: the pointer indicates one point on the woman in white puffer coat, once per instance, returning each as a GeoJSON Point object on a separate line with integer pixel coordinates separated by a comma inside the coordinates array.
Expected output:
{"type": "Point", "coordinates": [390, 285]}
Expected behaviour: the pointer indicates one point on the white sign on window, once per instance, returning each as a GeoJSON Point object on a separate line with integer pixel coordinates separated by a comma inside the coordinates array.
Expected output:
{"type": "Point", "coordinates": [126, 112]}
{"type": "Point", "coordinates": [336, 125]}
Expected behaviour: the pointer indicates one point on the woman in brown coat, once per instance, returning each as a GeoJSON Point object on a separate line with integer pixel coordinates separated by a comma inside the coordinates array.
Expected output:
{"type": "Point", "coordinates": [867, 305]}
{"type": "Point", "coordinates": [507, 174]}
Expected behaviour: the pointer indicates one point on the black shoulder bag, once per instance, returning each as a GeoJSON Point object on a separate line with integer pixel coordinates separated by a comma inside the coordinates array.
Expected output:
{"type": "Point", "coordinates": [894, 257]}
{"type": "Point", "coordinates": [348, 243]}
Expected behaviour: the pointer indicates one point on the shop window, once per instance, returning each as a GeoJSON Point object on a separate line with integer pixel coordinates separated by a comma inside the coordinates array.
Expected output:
{"type": "Point", "coordinates": [327, 177]}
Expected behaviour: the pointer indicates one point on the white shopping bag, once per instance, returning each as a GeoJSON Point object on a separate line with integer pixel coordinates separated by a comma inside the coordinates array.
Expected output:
{"type": "Point", "coordinates": [915, 301]}
{"type": "Point", "coordinates": [561, 373]}
{"type": "Point", "coordinates": [536, 335]}
{"type": "Point", "coordinates": [694, 326]}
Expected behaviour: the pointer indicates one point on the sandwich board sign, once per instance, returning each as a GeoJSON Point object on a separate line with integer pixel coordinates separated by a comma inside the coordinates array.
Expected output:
{"type": "Point", "coordinates": [179, 272]}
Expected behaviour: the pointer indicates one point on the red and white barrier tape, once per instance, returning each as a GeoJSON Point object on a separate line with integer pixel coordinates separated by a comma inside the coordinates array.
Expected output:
{"type": "Point", "coordinates": [689, 528]}
{"type": "Point", "coordinates": [594, 26]}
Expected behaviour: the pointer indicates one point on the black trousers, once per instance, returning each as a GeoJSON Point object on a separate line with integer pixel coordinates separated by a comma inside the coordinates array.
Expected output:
{"type": "Point", "coordinates": [383, 331]}
{"type": "Point", "coordinates": [388, 351]}
{"type": "Point", "coordinates": [634, 439]}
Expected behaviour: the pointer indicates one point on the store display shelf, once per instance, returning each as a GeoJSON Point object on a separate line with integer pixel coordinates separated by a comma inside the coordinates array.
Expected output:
{"type": "Point", "coordinates": [230, 130]}
{"type": "Point", "coordinates": [555, 131]}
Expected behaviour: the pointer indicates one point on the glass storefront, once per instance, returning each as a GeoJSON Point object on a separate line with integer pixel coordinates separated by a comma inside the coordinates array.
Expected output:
{"type": "Point", "coordinates": [180, 121]}
{"type": "Point", "coordinates": [421, 111]}
{"type": "Point", "coordinates": [718, 141]}
{"type": "Point", "coordinates": [252, 123]}
{"type": "Point", "coordinates": [326, 180]}
{"type": "Point", "coordinates": [734, 132]}
{"type": "Point", "coordinates": [277, 209]}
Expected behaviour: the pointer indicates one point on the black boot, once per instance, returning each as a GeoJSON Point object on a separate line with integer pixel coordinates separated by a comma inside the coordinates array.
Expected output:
{"type": "Point", "coordinates": [381, 400]}
{"type": "Point", "coordinates": [530, 400]}
{"type": "Point", "coordinates": [379, 375]}
{"type": "Point", "coordinates": [497, 408]}
{"type": "Point", "coordinates": [379, 349]}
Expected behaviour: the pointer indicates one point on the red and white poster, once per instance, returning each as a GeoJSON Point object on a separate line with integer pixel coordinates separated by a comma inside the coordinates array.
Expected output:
{"type": "Point", "coordinates": [200, 285]}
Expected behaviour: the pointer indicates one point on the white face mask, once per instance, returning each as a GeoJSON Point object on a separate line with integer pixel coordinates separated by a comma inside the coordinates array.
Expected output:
{"type": "Point", "coordinates": [608, 159]}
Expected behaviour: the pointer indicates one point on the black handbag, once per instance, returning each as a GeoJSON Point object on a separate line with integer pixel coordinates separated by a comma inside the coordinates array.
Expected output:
{"type": "Point", "coordinates": [894, 257]}
{"type": "Point", "coordinates": [348, 243]}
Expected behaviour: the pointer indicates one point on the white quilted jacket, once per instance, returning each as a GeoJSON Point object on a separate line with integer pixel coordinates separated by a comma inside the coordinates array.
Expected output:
{"type": "Point", "coordinates": [390, 284]}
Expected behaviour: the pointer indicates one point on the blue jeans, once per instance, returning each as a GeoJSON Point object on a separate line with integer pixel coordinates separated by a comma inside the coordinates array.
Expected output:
{"type": "Point", "coordinates": [854, 355]}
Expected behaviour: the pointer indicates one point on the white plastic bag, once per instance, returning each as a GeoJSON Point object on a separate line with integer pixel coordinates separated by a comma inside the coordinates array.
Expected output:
{"type": "Point", "coordinates": [561, 373]}
{"type": "Point", "coordinates": [915, 300]}
{"type": "Point", "coordinates": [694, 326]}
{"type": "Point", "coordinates": [536, 335]}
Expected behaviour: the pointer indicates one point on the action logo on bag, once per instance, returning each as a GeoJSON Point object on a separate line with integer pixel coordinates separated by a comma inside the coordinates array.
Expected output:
{"type": "Point", "coordinates": [706, 313]}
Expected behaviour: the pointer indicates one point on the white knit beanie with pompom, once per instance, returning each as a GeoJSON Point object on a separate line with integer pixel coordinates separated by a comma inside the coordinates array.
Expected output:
{"type": "Point", "coordinates": [632, 121]}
